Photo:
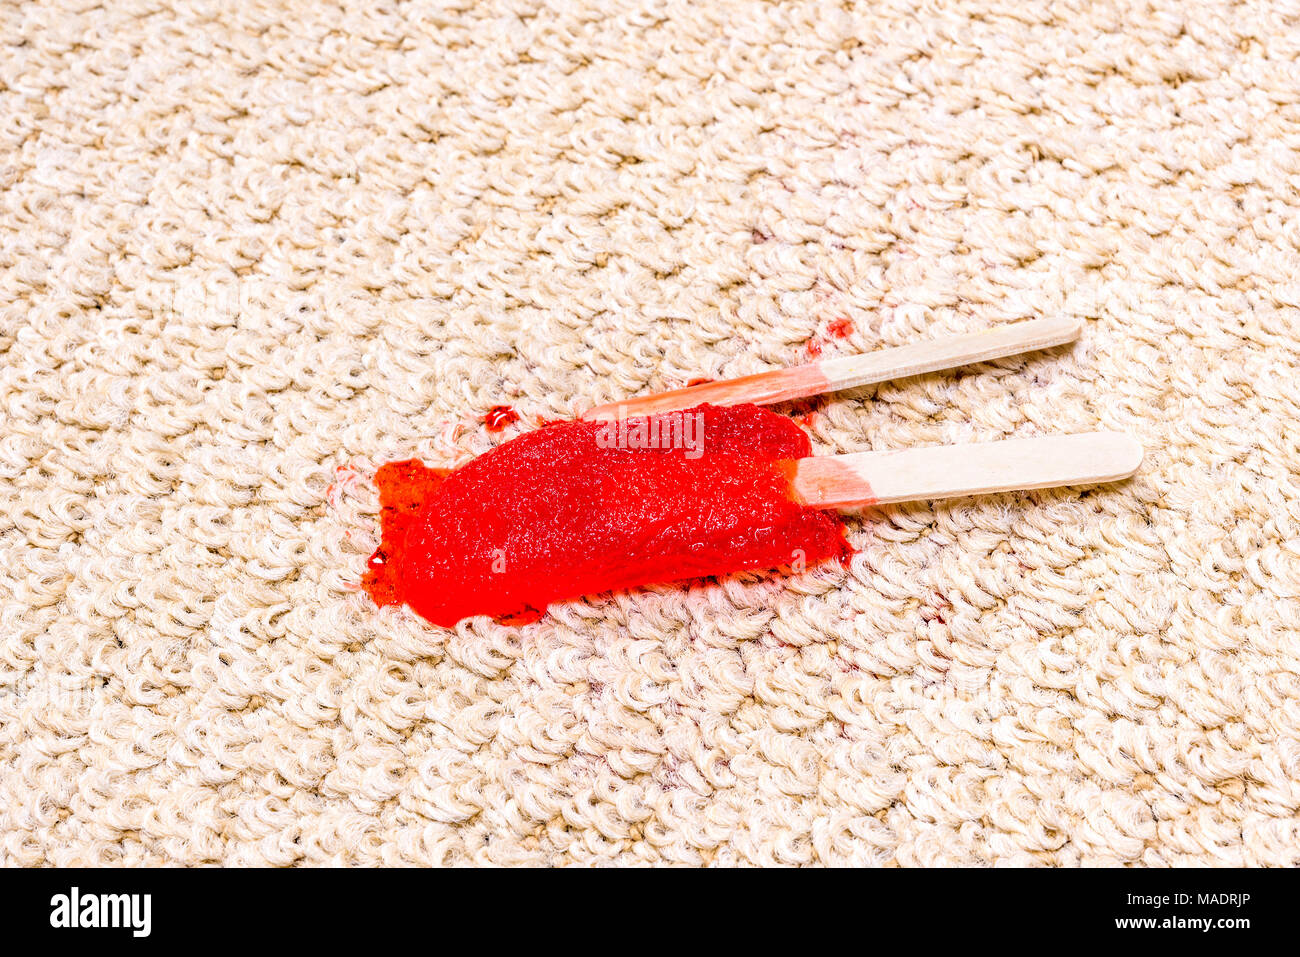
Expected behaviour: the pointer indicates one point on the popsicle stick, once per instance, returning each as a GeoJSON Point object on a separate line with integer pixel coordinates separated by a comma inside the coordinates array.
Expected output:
{"type": "Point", "coordinates": [851, 372]}
{"type": "Point", "coordinates": [877, 478]}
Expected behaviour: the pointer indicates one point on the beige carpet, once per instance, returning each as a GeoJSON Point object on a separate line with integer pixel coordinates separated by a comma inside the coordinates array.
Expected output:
{"type": "Point", "coordinates": [250, 251]}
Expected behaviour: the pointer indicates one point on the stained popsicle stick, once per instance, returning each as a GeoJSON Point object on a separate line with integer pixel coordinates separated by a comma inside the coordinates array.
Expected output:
{"type": "Point", "coordinates": [877, 478]}
{"type": "Point", "coordinates": [851, 372]}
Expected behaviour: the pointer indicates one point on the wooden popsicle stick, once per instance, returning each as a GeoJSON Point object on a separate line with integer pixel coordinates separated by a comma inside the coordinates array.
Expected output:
{"type": "Point", "coordinates": [877, 478]}
{"type": "Point", "coordinates": [851, 372]}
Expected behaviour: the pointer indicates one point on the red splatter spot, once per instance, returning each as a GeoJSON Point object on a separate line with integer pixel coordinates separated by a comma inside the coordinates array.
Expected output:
{"type": "Point", "coordinates": [344, 475]}
{"type": "Point", "coordinates": [840, 328]}
{"type": "Point", "coordinates": [813, 347]}
{"type": "Point", "coordinates": [499, 416]}
{"type": "Point", "coordinates": [807, 420]}
{"type": "Point", "coordinates": [702, 380]}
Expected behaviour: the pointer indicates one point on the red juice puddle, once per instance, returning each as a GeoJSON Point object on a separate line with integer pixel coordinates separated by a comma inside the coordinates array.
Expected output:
{"type": "Point", "coordinates": [499, 416]}
{"type": "Point", "coordinates": [840, 328]}
{"type": "Point", "coordinates": [578, 508]}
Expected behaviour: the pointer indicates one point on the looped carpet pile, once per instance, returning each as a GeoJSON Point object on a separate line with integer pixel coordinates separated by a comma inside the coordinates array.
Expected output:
{"type": "Point", "coordinates": [249, 251]}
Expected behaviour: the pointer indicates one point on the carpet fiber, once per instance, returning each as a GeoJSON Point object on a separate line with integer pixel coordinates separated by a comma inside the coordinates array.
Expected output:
{"type": "Point", "coordinates": [251, 251]}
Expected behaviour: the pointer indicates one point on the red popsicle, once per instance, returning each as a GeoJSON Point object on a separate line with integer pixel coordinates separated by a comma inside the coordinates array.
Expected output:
{"type": "Point", "coordinates": [577, 508]}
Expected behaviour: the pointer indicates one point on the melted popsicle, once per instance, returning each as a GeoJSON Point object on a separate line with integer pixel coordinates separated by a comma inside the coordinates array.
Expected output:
{"type": "Point", "coordinates": [577, 508]}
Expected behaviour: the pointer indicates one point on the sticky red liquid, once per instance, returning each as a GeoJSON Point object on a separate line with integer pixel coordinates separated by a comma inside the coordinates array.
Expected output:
{"type": "Point", "coordinates": [499, 416]}
{"type": "Point", "coordinates": [553, 515]}
{"type": "Point", "coordinates": [840, 328]}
